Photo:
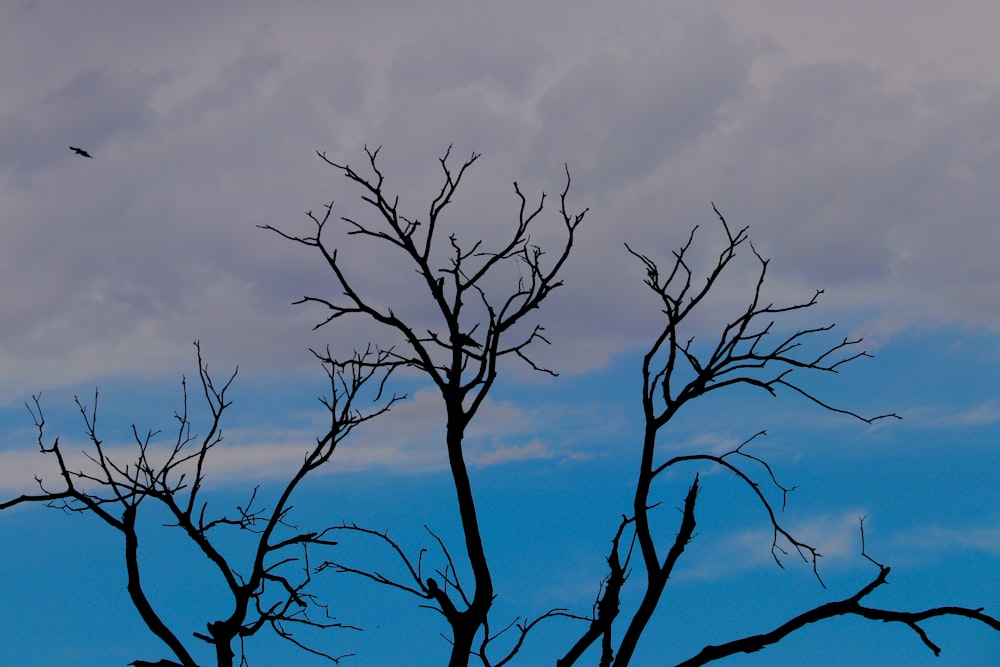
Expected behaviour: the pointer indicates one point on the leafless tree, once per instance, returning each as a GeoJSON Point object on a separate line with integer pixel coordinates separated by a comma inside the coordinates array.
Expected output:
{"type": "Point", "coordinates": [270, 586]}
{"type": "Point", "coordinates": [751, 352]}
{"type": "Point", "coordinates": [479, 307]}
{"type": "Point", "coordinates": [460, 354]}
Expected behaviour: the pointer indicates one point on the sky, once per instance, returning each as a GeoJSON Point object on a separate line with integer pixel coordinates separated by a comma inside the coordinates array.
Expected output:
{"type": "Point", "coordinates": [860, 142]}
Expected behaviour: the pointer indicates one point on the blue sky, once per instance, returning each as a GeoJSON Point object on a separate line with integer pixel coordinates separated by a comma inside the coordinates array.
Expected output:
{"type": "Point", "coordinates": [859, 143]}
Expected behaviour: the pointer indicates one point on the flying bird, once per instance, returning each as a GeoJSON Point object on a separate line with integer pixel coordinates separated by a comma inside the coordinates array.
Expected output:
{"type": "Point", "coordinates": [80, 151]}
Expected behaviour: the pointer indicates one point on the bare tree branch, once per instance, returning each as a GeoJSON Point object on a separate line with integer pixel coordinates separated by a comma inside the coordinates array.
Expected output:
{"type": "Point", "coordinates": [461, 352]}
{"type": "Point", "coordinates": [274, 593]}
{"type": "Point", "coordinates": [850, 606]}
{"type": "Point", "coordinates": [675, 372]}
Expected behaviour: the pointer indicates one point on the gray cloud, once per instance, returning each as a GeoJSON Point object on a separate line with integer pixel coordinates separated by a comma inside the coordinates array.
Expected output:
{"type": "Point", "coordinates": [203, 125]}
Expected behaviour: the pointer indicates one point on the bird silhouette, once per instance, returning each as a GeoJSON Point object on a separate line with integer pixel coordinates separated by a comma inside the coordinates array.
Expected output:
{"type": "Point", "coordinates": [80, 151]}
{"type": "Point", "coordinates": [467, 340]}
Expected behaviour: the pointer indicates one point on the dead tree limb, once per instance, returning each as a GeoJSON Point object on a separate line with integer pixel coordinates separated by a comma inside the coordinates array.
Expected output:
{"type": "Point", "coordinates": [274, 591]}
{"type": "Point", "coordinates": [473, 332]}
{"type": "Point", "coordinates": [850, 606]}
{"type": "Point", "coordinates": [748, 351]}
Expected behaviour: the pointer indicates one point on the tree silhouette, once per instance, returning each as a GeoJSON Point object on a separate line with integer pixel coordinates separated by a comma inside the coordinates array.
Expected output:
{"type": "Point", "coordinates": [479, 303]}
{"type": "Point", "coordinates": [274, 590]}
{"type": "Point", "coordinates": [749, 351]}
{"type": "Point", "coordinates": [463, 369]}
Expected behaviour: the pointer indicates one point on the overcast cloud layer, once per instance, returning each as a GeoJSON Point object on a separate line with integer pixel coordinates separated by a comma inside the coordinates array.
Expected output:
{"type": "Point", "coordinates": [872, 176]}
{"type": "Point", "coordinates": [860, 142]}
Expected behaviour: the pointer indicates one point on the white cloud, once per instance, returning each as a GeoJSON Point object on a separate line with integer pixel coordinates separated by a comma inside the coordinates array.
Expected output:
{"type": "Point", "coordinates": [716, 554]}
{"type": "Point", "coordinates": [729, 554]}
{"type": "Point", "coordinates": [933, 541]}
{"type": "Point", "coordinates": [986, 412]}
{"type": "Point", "coordinates": [407, 440]}
{"type": "Point", "coordinates": [516, 453]}
{"type": "Point", "coordinates": [943, 416]}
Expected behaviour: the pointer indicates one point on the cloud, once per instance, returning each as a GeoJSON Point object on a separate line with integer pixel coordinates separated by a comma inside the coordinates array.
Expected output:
{"type": "Point", "coordinates": [879, 191]}
{"type": "Point", "coordinates": [935, 541]}
{"type": "Point", "coordinates": [513, 454]}
{"type": "Point", "coordinates": [722, 554]}
{"type": "Point", "coordinates": [940, 416]}
{"type": "Point", "coordinates": [986, 412]}
{"type": "Point", "coordinates": [870, 176]}
{"type": "Point", "coordinates": [726, 554]}
{"type": "Point", "coordinates": [407, 440]}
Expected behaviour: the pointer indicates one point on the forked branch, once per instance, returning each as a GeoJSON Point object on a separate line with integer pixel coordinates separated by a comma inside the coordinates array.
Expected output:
{"type": "Point", "coordinates": [850, 606]}
{"type": "Point", "coordinates": [273, 590]}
